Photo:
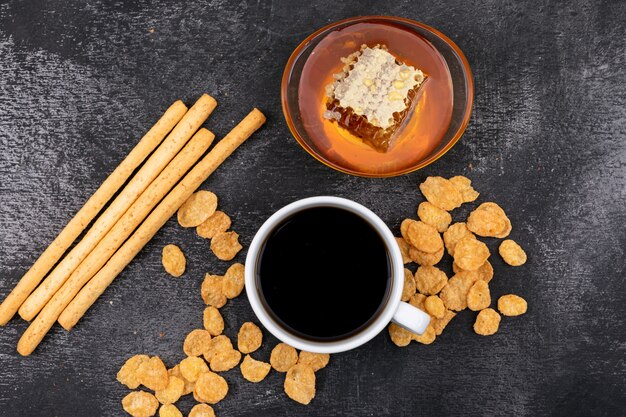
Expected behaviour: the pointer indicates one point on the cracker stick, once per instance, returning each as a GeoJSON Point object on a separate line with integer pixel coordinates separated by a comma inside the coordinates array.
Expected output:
{"type": "Point", "coordinates": [113, 240]}
{"type": "Point", "coordinates": [90, 292]}
{"type": "Point", "coordinates": [148, 172]}
{"type": "Point", "coordinates": [92, 207]}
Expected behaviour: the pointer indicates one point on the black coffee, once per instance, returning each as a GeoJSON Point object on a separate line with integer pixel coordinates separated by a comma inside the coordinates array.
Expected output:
{"type": "Point", "coordinates": [324, 273]}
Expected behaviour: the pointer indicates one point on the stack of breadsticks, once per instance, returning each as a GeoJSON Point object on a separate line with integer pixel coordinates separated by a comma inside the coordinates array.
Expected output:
{"type": "Point", "coordinates": [173, 169]}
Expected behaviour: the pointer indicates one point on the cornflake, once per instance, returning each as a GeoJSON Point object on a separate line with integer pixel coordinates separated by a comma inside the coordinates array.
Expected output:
{"type": "Point", "coordinates": [485, 271]}
{"type": "Point", "coordinates": [283, 357]}
{"type": "Point", "coordinates": [253, 370]}
{"type": "Point", "coordinates": [434, 306]}
{"type": "Point", "coordinates": [192, 367]}
{"type": "Point", "coordinates": [225, 245]}
{"type": "Point", "coordinates": [404, 228]}
{"type": "Point", "coordinates": [218, 222]}
{"type": "Point", "coordinates": [409, 285]}
{"type": "Point", "coordinates": [169, 410]}
{"type": "Point", "coordinates": [127, 374]}
{"type": "Point", "coordinates": [512, 253]}
{"type": "Point", "coordinates": [424, 237]}
{"type": "Point", "coordinates": [175, 371]}
{"type": "Point", "coordinates": [427, 337]}
{"type": "Point", "coordinates": [174, 390]}
{"type": "Point", "coordinates": [425, 259]}
{"type": "Point", "coordinates": [140, 404]}
{"type": "Point", "coordinates": [487, 322]}
{"type": "Point", "coordinates": [225, 360]}
{"type": "Point", "coordinates": [212, 290]}
{"type": "Point", "coordinates": [249, 338]}
{"type": "Point", "coordinates": [440, 324]}
{"type": "Point", "coordinates": [479, 297]}
{"type": "Point", "coordinates": [316, 361]}
{"type": "Point", "coordinates": [210, 388]}
{"type": "Point", "coordinates": [454, 294]}
{"type": "Point", "coordinates": [400, 336]}
{"type": "Point", "coordinates": [512, 305]}
{"type": "Point", "coordinates": [464, 187]}
{"type": "Point", "coordinates": [404, 249]}
{"type": "Point", "coordinates": [434, 216]}
{"type": "Point", "coordinates": [213, 321]}
{"type": "Point", "coordinates": [173, 260]}
{"type": "Point", "coordinates": [234, 280]}
{"type": "Point", "coordinates": [219, 343]}
{"type": "Point", "coordinates": [197, 342]}
{"type": "Point", "coordinates": [441, 193]}
{"type": "Point", "coordinates": [152, 374]}
{"type": "Point", "coordinates": [202, 410]}
{"type": "Point", "coordinates": [470, 254]}
{"type": "Point", "coordinates": [430, 280]}
{"type": "Point", "coordinates": [199, 207]}
{"type": "Point", "coordinates": [419, 301]}
{"type": "Point", "coordinates": [489, 220]}
{"type": "Point", "coordinates": [300, 383]}
{"type": "Point", "coordinates": [454, 234]}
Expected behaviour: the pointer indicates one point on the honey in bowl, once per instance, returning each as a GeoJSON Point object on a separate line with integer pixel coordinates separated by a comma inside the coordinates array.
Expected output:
{"type": "Point", "coordinates": [421, 129]}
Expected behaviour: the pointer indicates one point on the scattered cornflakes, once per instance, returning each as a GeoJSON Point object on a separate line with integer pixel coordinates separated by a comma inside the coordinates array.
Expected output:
{"type": "Point", "coordinates": [404, 249]}
{"type": "Point", "coordinates": [300, 383]}
{"type": "Point", "coordinates": [316, 361]}
{"type": "Point", "coordinates": [434, 216]}
{"type": "Point", "coordinates": [489, 220]}
{"type": "Point", "coordinates": [470, 254]}
{"type": "Point", "coordinates": [454, 293]}
{"type": "Point", "coordinates": [202, 410]}
{"type": "Point", "coordinates": [175, 371]}
{"type": "Point", "coordinates": [140, 404]}
{"type": "Point", "coordinates": [434, 306]}
{"type": "Point", "coordinates": [409, 285]}
{"type": "Point", "coordinates": [425, 259]}
{"type": "Point", "coordinates": [192, 367]}
{"type": "Point", "coordinates": [430, 280]}
{"type": "Point", "coordinates": [169, 410]}
{"type": "Point", "coordinates": [173, 260]}
{"type": "Point", "coordinates": [197, 342]}
{"type": "Point", "coordinates": [464, 186]}
{"type": "Point", "coordinates": [253, 370]}
{"type": "Point", "coordinates": [234, 280]}
{"type": "Point", "coordinates": [210, 388]}
{"type": "Point", "coordinates": [127, 374]}
{"type": "Point", "coordinates": [440, 324]}
{"type": "Point", "coordinates": [283, 357]}
{"type": "Point", "coordinates": [512, 305]}
{"type": "Point", "coordinates": [225, 245]}
{"type": "Point", "coordinates": [225, 360]}
{"type": "Point", "coordinates": [174, 390]}
{"type": "Point", "coordinates": [478, 297]}
{"type": "Point", "coordinates": [213, 321]}
{"type": "Point", "coordinates": [212, 290]}
{"type": "Point", "coordinates": [152, 374]}
{"type": "Point", "coordinates": [485, 271]}
{"type": "Point", "coordinates": [404, 228]}
{"type": "Point", "coordinates": [249, 338]}
{"type": "Point", "coordinates": [424, 237]}
{"type": "Point", "coordinates": [512, 253]}
{"type": "Point", "coordinates": [487, 322]}
{"type": "Point", "coordinates": [199, 207]}
{"type": "Point", "coordinates": [216, 223]}
{"type": "Point", "coordinates": [400, 336]}
{"type": "Point", "coordinates": [441, 193]}
{"type": "Point", "coordinates": [418, 300]}
{"type": "Point", "coordinates": [454, 234]}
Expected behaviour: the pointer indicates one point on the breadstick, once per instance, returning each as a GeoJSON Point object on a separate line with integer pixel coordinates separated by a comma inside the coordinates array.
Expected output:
{"type": "Point", "coordinates": [116, 236]}
{"type": "Point", "coordinates": [148, 172]}
{"type": "Point", "coordinates": [90, 209]}
{"type": "Point", "coordinates": [90, 292]}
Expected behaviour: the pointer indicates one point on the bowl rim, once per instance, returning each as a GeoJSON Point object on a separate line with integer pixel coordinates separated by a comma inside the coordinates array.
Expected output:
{"type": "Point", "coordinates": [434, 157]}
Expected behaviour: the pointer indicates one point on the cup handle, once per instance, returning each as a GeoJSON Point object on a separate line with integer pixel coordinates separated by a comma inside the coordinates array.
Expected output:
{"type": "Point", "coordinates": [411, 318]}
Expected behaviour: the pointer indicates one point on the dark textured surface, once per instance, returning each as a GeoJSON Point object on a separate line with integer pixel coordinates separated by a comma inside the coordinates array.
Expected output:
{"type": "Point", "coordinates": [81, 81]}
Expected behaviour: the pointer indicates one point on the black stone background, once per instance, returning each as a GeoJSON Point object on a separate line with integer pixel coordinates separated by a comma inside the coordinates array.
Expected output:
{"type": "Point", "coordinates": [80, 82]}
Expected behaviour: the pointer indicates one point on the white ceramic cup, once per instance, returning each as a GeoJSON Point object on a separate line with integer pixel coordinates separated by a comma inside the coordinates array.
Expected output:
{"type": "Point", "coordinates": [401, 313]}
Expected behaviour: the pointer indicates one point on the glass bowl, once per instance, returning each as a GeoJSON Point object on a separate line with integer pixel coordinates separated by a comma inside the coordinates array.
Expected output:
{"type": "Point", "coordinates": [462, 94]}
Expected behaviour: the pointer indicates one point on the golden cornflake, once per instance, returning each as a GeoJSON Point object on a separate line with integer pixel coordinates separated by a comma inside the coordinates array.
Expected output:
{"type": "Point", "coordinates": [485, 271]}
{"type": "Point", "coordinates": [283, 357]}
{"type": "Point", "coordinates": [434, 216]}
{"type": "Point", "coordinates": [454, 234]}
{"type": "Point", "coordinates": [487, 322]}
{"type": "Point", "coordinates": [409, 285]}
{"type": "Point", "coordinates": [173, 391]}
{"type": "Point", "coordinates": [197, 342]}
{"type": "Point", "coordinates": [225, 245]}
{"type": "Point", "coordinates": [192, 367]}
{"type": "Point", "coordinates": [512, 253]}
{"type": "Point", "coordinates": [400, 336]}
{"type": "Point", "coordinates": [127, 374]}
{"type": "Point", "coordinates": [424, 237]}
{"type": "Point", "coordinates": [253, 370]}
{"type": "Point", "coordinates": [489, 220]}
{"type": "Point", "coordinates": [152, 374]}
{"type": "Point", "coordinates": [219, 343]}
{"type": "Point", "coordinates": [425, 259]}
{"type": "Point", "coordinates": [300, 383]}
{"type": "Point", "coordinates": [169, 410]}
{"type": "Point", "coordinates": [454, 294]}
{"type": "Point", "coordinates": [419, 301]}
{"type": "Point", "coordinates": [234, 280]}
{"type": "Point", "coordinates": [512, 305]}
{"type": "Point", "coordinates": [442, 193]}
{"type": "Point", "coordinates": [464, 186]}
{"type": "Point", "coordinates": [249, 338]}
{"type": "Point", "coordinates": [434, 306]}
{"type": "Point", "coordinates": [210, 388]}
{"type": "Point", "coordinates": [470, 254]}
{"type": "Point", "coordinates": [404, 250]}
{"type": "Point", "coordinates": [140, 404]}
{"type": "Point", "coordinates": [430, 280]}
{"type": "Point", "coordinates": [202, 410]}
{"type": "Point", "coordinates": [216, 223]}
{"type": "Point", "coordinates": [173, 260]}
{"type": "Point", "coordinates": [213, 321]}
{"type": "Point", "coordinates": [212, 290]}
{"type": "Point", "coordinates": [440, 324]}
{"type": "Point", "coordinates": [404, 228]}
{"type": "Point", "coordinates": [316, 361]}
{"type": "Point", "coordinates": [225, 360]}
{"type": "Point", "coordinates": [199, 207]}
{"type": "Point", "coordinates": [175, 371]}
{"type": "Point", "coordinates": [427, 337]}
{"type": "Point", "coordinates": [478, 297]}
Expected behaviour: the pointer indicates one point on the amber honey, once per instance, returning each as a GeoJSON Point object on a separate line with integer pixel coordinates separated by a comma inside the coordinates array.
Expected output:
{"type": "Point", "coordinates": [426, 123]}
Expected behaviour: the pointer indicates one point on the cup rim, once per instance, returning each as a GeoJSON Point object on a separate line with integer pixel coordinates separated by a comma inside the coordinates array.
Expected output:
{"type": "Point", "coordinates": [355, 340]}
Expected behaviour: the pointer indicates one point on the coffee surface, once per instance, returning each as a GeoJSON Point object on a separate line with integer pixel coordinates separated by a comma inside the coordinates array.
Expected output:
{"type": "Point", "coordinates": [324, 273]}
